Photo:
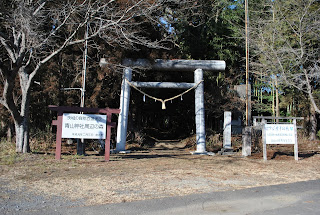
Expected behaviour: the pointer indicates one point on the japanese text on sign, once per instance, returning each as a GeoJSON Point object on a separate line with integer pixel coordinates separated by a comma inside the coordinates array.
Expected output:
{"type": "Point", "coordinates": [280, 134]}
{"type": "Point", "coordinates": [86, 126]}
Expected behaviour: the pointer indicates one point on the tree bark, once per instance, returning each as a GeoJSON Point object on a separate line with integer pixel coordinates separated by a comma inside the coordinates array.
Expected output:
{"type": "Point", "coordinates": [22, 123]}
{"type": "Point", "coordinates": [22, 136]}
{"type": "Point", "coordinates": [277, 100]}
{"type": "Point", "coordinates": [313, 124]}
{"type": "Point", "coordinates": [273, 105]}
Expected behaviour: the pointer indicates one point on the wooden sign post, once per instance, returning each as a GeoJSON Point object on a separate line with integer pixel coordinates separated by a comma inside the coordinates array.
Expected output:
{"type": "Point", "coordinates": [58, 122]}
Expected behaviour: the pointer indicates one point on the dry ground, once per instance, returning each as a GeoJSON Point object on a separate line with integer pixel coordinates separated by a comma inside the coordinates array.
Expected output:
{"type": "Point", "coordinates": [155, 173]}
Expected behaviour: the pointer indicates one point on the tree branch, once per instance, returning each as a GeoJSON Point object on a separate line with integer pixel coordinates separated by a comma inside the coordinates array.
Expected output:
{"type": "Point", "coordinates": [42, 4]}
{"type": "Point", "coordinates": [8, 49]}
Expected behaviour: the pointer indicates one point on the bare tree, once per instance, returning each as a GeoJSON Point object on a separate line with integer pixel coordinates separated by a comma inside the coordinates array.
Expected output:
{"type": "Point", "coordinates": [286, 44]}
{"type": "Point", "coordinates": [32, 32]}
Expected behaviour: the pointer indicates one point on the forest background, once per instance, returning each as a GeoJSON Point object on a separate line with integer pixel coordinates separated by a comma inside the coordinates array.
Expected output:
{"type": "Point", "coordinates": [43, 46]}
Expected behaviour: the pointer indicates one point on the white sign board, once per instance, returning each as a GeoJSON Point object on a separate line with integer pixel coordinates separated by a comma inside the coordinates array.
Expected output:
{"type": "Point", "coordinates": [84, 126]}
{"type": "Point", "coordinates": [280, 134]}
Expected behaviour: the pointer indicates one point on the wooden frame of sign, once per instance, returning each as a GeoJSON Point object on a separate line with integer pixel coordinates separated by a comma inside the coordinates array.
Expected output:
{"type": "Point", "coordinates": [58, 122]}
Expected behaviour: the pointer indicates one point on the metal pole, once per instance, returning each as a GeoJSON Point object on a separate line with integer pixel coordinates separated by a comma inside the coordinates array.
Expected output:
{"type": "Point", "coordinates": [85, 56]}
{"type": "Point", "coordinates": [199, 112]}
{"type": "Point", "coordinates": [124, 111]}
{"type": "Point", "coordinates": [80, 142]}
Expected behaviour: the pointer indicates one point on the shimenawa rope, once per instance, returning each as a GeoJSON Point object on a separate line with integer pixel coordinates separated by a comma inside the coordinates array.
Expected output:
{"type": "Point", "coordinates": [163, 101]}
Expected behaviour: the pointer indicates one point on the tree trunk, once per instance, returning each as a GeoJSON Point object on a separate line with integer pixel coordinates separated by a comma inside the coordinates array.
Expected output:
{"type": "Point", "coordinates": [313, 124]}
{"type": "Point", "coordinates": [277, 101]}
{"type": "Point", "coordinates": [22, 136]}
{"type": "Point", "coordinates": [272, 93]}
{"type": "Point", "coordinates": [22, 124]}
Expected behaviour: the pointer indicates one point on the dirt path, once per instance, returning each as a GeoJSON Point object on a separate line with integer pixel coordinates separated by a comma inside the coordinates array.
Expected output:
{"type": "Point", "coordinates": [150, 174]}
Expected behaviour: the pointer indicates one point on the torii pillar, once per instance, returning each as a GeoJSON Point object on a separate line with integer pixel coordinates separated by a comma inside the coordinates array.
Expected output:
{"type": "Point", "coordinates": [167, 65]}
{"type": "Point", "coordinates": [124, 111]}
{"type": "Point", "coordinates": [199, 112]}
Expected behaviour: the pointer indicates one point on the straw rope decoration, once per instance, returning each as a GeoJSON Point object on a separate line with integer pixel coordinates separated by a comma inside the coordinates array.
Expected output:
{"type": "Point", "coordinates": [163, 101]}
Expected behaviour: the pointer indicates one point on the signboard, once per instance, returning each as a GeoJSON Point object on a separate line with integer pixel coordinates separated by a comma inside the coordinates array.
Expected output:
{"type": "Point", "coordinates": [84, 126]}
{"type": "Point", "coordinates": [280, 134]}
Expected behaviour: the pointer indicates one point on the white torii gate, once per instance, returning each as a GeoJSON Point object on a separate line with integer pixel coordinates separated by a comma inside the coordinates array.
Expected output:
{"type": "Point", "coordinates": [167, 65]}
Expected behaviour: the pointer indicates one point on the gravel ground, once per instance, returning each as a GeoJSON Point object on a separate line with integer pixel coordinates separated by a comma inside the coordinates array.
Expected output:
{"type": "Point", "coordinates": [16, 201]}
{"type": "Point", "coordinates": [38, 181]}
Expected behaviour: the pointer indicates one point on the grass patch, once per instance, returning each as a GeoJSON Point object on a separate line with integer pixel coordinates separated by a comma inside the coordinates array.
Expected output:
{"type": "Point", "coordinates": [8, 153]}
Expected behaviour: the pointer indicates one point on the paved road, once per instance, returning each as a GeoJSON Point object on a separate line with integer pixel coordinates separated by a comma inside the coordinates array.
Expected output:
{"type": "Point", "coordinates": [291, 199]}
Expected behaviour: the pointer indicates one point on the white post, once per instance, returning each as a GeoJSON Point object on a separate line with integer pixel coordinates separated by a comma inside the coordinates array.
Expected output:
{"type": "Point", "coordinates": [124, 110]}
{"type": "Point", "coordinates": [296, 152]}
{"type": "Point", "coordinates": [227, 130]}
{"type": "Point", "coordinates": [264, 143]}
{"type": "Point", "coordinates": [199, 112]}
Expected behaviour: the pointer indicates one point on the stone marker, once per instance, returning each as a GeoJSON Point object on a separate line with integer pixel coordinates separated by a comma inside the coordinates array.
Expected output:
{"type": "Point", "coordinates": [227, 130]}
{"type": "Point", "coordinates": [246, 141]}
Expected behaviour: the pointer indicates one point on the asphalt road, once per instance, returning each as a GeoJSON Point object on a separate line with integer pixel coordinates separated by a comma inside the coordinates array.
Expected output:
{"type": "Point", "coordinates": [293, 199]}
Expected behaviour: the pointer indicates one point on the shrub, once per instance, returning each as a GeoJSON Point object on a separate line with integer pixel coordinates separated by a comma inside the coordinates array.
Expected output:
{"type": "Point", "coordinates": [41, 141]}
{"type": "Point", "coordinates": [214, 142]}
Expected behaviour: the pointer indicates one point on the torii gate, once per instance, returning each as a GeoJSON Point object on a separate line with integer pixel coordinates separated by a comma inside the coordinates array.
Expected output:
{"type": "Point", "coordinates": [197, 66]}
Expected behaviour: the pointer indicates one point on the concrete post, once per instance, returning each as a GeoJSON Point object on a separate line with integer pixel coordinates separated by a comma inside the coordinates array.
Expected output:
{"type": "Point", "coordinates": [246, 141]}
{"type": "Point", "coordinates": [227, 130]}
{"type": "Point", "coordinates": [124, 111]}
{"type": "Point", "coordinates": [199, 112]}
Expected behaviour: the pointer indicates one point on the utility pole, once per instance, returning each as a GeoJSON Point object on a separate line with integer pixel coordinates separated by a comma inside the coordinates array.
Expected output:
{"type": "Point", "coordinates": [247, 62]}
{"type": "Point", "coordinates": [84, 69]}
{"type": "Point", "coordinates": [85, 56]}
{"type": "Point", "coordinates": [80, 143]}
{"type": "Point", "coordinates": [276, 77]}
{"type": "Point", "coordinates": [246, 143]}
